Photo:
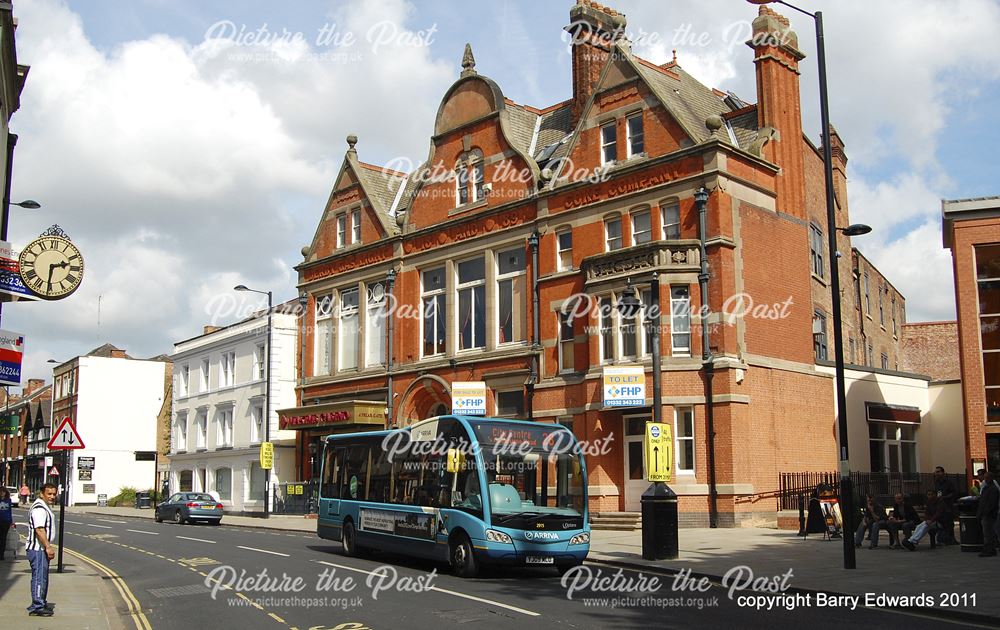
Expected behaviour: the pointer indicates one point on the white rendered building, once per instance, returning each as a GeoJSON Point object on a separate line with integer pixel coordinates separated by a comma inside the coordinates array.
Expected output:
{"type": "Point", "coordinates": [114, 402]}
{"type": "Point", "coordinates": [219, 410]}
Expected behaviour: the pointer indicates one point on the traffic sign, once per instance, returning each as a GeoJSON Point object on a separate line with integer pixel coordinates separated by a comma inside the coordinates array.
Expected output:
{"type": "Point", "coordinates": [659, 447]}
{"type": "Point", "coordinates": [54, 472]}
{"type": "Point", "coordinates": [65, 437]}
{"type": "Point", "coordinates": [267, 455]}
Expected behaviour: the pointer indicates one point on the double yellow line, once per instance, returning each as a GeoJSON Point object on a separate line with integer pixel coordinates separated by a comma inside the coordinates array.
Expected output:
{"type": "Point", "coordinates": [134, 608]}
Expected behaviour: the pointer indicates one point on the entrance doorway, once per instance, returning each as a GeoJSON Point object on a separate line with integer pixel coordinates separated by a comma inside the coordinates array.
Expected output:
{"type": "Point", "coordinates": [635, 465]}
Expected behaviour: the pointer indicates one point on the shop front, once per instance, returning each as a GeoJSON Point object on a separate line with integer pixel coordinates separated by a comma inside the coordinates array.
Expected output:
{"type": "Point", "coordinates": [312, 423]}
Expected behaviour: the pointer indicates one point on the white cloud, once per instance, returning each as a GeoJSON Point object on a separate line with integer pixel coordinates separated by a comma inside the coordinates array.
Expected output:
{"type": "Point", "coordinates": [183, 168]}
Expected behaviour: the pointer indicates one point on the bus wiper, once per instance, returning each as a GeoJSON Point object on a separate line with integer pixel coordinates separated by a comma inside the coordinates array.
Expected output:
{"type": "Point", "coordinates": [531, 516]}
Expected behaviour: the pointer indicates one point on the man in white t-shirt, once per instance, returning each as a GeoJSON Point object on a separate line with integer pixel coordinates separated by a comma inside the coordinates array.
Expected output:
{"type": "Point", "coordinates": [41, 521]}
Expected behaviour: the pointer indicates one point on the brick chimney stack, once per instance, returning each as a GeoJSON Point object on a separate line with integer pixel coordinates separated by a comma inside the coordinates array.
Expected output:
{"type": "Point", "coordinates": [117, 353]}
{"type": "Point", "coordinates": [839, 172]}
{"type": "Point", "coordinates": [34, 384]}
{"type": "Point", "coordinates": [593, 29]}
{"type": "Point", "coordinates": [777, 56]}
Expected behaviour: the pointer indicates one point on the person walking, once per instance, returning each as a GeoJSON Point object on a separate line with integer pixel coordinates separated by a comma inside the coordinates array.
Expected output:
{"type": "Point", "coordinates": [6, 520]}
{"type": "Point", "coordinates": [24, 493]}
{"type": "Point", "coordinates": [989, 503]}
{"type": "Point", "coordinates": [40, 550]}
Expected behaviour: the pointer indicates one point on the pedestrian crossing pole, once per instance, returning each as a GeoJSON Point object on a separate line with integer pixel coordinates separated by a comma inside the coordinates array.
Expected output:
{"type": "Point", "coordinates": [62, 507]}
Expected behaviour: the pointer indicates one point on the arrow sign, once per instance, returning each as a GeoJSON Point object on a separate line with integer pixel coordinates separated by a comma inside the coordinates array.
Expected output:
{"type": "Point", "coordinates": [65, 437]}
{"type": "Point", "coordinates": [656, 458]}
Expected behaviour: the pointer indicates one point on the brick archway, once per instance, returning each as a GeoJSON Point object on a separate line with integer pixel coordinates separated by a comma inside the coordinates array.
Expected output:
{"type": "Point", "coordinates": [424, 397]}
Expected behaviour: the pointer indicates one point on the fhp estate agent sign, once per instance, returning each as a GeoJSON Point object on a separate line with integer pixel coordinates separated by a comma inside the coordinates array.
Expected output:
{"type": "Point", "coordinates": [468, 398]}
{"type": "Point", "coordinates": [624, 386]}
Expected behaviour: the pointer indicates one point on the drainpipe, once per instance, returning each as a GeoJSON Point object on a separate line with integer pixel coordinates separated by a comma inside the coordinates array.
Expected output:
{"type": "Point", "coordinates": [390, 283]}
{"type": "Point", "coordinates": [536, 343]}
{"type": "Point", "coordinates": [708, 362]}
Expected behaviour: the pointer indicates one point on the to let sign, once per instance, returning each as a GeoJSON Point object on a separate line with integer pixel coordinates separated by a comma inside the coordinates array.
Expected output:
{"type": "Point", "coordinates": [468, 398]}
{"type": "Point", "coordinates": [659, 456]}
{"type": "Point", "coordinates": [624, 386]}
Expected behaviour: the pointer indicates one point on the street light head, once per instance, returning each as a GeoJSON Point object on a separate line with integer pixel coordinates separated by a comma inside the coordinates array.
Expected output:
{"type": "Point", "coordinates": [856, 229]}
{"type": "Point", "coordinates": [241, 287]}
{"type": "Point", "coordinates": [628, 304]}
{"type": "Point", "coordinates": [701, 195]}
{"type": "Point", "coordinates": [30, 204]}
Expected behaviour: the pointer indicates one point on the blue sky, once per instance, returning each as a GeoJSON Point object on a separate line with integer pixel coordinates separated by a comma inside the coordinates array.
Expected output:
{"type": "Point", "coordinates": [182, 167]}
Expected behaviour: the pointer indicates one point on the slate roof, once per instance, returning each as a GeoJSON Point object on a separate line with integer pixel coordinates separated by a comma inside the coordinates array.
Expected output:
{"type": "Point", "coordinates": [744, 127]}
{"type": "Point", "coordinates": [380, 186]}
{"type": "Point", "coordinates": [105, 351]}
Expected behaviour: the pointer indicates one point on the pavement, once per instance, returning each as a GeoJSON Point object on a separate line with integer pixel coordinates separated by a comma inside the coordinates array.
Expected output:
{"type": "Point", "coordinates": [84, 598]}
{"type": "Point", "coordinates": [957, 583]}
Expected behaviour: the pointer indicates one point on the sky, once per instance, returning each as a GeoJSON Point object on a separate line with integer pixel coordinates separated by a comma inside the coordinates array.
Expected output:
{"type": "Point", "coordinates": [187, 147]}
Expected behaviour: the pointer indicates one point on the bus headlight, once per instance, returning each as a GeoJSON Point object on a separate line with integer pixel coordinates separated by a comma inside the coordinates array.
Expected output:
{"type": "Point", "coordinates": [493, 535]}
{"type": "Point", "coordinates": [580, 539]}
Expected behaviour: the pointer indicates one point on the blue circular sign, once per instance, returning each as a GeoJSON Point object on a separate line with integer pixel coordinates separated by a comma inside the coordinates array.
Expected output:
{"type": "Point", "coordinates": [654, 431]}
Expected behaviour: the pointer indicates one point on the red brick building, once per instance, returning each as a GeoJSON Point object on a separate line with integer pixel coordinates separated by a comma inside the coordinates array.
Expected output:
{"type": "Point", "coordinates": [972, 231]}
{"type": "Point", "coordinates": [521, 214]}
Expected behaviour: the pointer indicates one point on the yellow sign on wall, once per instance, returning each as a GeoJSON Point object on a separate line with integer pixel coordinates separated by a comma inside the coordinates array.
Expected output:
{"type": "Point", "coordinates": [659, 452]}
{"type": "Point", "coordinates": [267, 455]}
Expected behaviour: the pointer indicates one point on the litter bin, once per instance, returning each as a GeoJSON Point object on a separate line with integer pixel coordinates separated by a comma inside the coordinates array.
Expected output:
{"type": "Point", "coordinates": [143, 500]}
{"type": "Point", "coordinates": [969, 526]}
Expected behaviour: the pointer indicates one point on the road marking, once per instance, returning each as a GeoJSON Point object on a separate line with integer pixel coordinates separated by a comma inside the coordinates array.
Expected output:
{"type": "Point", "coordinates": [445, 591]}
{"type": "Point", "coordinates": [105, 520]}
{"type": "Point", "coordinates": [134, 607]}
{"type": "Point", "coordinates": [139, 531]}
{"type": "Point", "coordinates": [276, 617]}
{"type": "Point", "coordinates": [197, 539]}
{"type": "Point", "coordinates": [101, 526]}
{"type": "Point", "coordinates": [273, 553]}
{"type": "Point", "coordinates": [75, 522]}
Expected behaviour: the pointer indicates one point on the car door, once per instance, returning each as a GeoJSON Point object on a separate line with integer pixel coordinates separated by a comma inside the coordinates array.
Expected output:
{"type": "Point", "coordinates": [330, 488]}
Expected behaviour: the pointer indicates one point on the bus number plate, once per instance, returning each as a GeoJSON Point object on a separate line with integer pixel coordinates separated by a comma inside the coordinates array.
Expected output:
{"type": "Point", "coordinates": [540, 560]}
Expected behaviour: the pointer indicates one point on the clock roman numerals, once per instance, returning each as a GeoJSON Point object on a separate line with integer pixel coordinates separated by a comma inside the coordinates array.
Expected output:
{"type": "Point", "coordinates": [51, 267]}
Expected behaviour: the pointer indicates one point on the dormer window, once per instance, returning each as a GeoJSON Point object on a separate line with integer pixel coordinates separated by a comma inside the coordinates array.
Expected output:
{"type": "Point", "coordinates": [609, 143]}
{"type": "Point", "coordinates": [470, 178]}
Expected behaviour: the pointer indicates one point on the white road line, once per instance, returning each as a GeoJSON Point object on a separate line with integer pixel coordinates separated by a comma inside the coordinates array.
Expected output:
{"type": "Point", "coordinates": [105, 520]}
{"type": "Point", "coordinates": [101, 526]}
{"type": "Point", "coordinates": [75, 522]}
{"type": "Point", "coordinates": [445, 591]}
{"type": "Point", "coordinates": [139, 531]}
{"type": "Point", "coordinates": [486, 601]}
{"type": "Point", "coordinates": [273, 553]}
{"type": "Point", "coordinates": [197, 539]}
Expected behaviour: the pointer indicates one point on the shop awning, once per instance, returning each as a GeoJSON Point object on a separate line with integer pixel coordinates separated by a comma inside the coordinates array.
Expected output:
{"type": "Point", "coordinates": [881, 412]}
{"type": "Point", "coordinates": [361, 415]}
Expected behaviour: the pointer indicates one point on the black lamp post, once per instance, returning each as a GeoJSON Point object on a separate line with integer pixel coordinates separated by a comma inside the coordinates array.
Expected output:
{"type": "Point", "coordinates": [846, 486]}
{"type": "Point", "coordinates": [390, 284]}
{"type": "Point", "coordinates": [267, 394]}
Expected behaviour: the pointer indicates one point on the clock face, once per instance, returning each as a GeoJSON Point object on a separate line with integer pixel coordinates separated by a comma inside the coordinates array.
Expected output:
{"type": "Point", "coordinates": [52, 267]}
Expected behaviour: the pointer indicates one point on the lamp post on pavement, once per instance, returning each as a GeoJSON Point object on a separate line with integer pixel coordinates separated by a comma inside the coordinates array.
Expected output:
{"type": "Point", "coordinates": [267, 394]}
{"type": "Point", "coordinates": [846, 486]}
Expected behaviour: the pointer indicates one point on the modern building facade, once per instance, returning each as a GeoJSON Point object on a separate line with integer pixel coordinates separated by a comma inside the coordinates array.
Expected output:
{"type": "Point", "coordinates": [971, 230]}
{"type": "Point", "coordinates": [113, 401]}
{"type": "Point", "coordinates": [220, 410]}
{"type": "Point", "coordinates": [504, 256]}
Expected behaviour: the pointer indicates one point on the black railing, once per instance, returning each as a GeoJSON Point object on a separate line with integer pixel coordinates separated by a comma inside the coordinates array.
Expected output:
{"type": "Point", "coordinates": [882, 486]}
{"type": "Point", "coordinates": [294, 497]}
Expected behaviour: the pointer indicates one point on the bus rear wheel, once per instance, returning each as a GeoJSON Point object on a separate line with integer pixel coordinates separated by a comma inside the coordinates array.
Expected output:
{"type": "Point", "coordinates": [350, 540]}
{"type": "Point", "coordinates": [463, 560]}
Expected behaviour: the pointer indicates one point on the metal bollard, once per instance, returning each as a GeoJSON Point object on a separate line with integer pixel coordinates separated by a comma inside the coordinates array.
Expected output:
{"type": "Point", "coordinates": [659, 523]}
{"type": "Point", "coordinates": [802, 514]}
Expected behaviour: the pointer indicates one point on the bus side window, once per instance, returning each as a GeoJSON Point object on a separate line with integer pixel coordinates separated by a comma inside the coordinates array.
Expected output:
{"type": "Point", "coordinates": [331, 469]}
{"type": "Point", "coordinates": [353, 481]}
{"type": "Point", "coordinates": [380, 486]}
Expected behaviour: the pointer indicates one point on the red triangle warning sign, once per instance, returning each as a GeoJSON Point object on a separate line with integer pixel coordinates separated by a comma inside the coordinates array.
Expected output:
{"type": "Point", "coordinates": [65, 437]}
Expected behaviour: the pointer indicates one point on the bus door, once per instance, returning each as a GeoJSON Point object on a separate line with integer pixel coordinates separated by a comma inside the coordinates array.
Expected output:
{"type": "Point", "coordinates": [330, 488]}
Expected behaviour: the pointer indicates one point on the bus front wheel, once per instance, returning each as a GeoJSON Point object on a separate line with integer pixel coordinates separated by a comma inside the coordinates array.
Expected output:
{"type": "Point", "coordinates": [463, 560]}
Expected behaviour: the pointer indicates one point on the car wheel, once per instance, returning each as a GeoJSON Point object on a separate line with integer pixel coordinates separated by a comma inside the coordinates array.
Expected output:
{"type": "Point", "coordinates": [350, 540]}
{"type": "Point", "coordinates": [178, 517]}
{"type": "Point", "coordinates": [218, 522]}
{"type": "Point", "coordinates": [157, 517]}
{"type": "Point", "coordinates": [463, 560]}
